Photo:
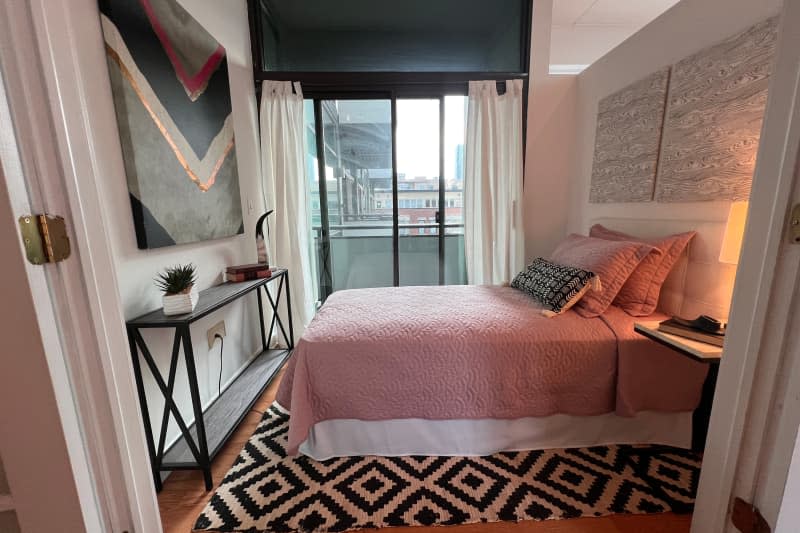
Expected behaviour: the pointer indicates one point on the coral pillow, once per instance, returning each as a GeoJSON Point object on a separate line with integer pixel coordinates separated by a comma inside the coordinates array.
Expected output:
{"type": "Point", "coordinates": [639, 296]}
{"type": "Point", "coordinates": [612, 261]}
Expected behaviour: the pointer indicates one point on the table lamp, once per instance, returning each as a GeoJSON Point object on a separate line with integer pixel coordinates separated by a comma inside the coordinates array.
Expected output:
{"type": "Point", "coordinates": [734, 233]}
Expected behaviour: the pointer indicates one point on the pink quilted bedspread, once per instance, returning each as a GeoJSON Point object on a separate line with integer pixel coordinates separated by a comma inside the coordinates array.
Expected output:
{"type": "Point", "coordinates": [459, 352]}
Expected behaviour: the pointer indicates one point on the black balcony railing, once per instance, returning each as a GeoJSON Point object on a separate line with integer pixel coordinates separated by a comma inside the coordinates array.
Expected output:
{"type": "Point", "coordinates": [371, 227]}
{"type": "Point", "coordinates": [361, 256]}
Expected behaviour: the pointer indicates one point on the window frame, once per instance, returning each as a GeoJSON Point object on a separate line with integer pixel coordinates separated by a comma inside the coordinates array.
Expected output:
{"type": "Point", "coordinates": [318, 86]}
{"type": "Point", "coordinates": [355, 85]}
{"type": "Point", "coordinates": [361, 79]}
{"type": "Point", "coordinates": [317, 97]}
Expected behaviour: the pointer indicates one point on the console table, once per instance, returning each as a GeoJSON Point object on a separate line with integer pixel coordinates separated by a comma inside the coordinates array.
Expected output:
{"type": "Point", "coordinates": [200, 441]}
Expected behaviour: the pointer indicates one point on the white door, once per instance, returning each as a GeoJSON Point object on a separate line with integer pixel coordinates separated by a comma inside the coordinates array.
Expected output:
{"type": "Point", "coordinates": [757, 403]}
{"type": "Point", "coordinates": [40, 440]}
{"type": "Point", "coordinates": [71, 438]}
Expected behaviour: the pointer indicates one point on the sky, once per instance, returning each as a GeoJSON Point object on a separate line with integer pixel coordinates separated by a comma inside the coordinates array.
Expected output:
{"type": "Point", "coordinates": [418, 135]}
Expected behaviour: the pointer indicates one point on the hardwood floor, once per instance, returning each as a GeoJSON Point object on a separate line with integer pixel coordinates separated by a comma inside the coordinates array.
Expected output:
{"type": "Point", "coordinates": [183, 499]}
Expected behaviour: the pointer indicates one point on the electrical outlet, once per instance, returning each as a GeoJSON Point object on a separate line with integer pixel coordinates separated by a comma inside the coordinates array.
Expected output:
{"type": "Point", "coordinates": [216, 329]}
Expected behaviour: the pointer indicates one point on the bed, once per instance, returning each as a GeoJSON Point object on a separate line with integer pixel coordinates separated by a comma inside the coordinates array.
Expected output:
{"type": "Point", "coordinates": [472, 370]}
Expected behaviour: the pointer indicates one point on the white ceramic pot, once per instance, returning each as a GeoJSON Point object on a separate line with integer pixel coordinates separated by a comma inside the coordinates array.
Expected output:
{"type": "Point", "coordinates": [180, 304]}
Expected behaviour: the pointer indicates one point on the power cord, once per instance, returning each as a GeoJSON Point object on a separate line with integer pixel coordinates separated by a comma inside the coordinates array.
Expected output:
{"type": "Point", "coordinates": [219, 381]}
{"type": "Point", "coordinates": [221, 348]}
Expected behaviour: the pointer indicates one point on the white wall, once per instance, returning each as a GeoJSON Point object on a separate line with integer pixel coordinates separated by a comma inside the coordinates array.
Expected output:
{"type": "Point", "coordinates": [562, 115]}
{"type": "Point", "coordinates": [550, 135]}
{"type": "Point", "coordinates": [227, 22]}
{"type": "Point", "coordinates": [688, 27]}
{"type": "Point", "coordinates": [583, 45]}
{"type": "Point", "coordinates": [548, 160]}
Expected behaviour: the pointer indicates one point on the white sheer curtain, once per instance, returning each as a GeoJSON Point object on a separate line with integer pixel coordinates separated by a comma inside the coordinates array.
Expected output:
{"type": "Point", "coordinates": [493, 238]}
{"type": "Point", "coordinates": [286, 191]}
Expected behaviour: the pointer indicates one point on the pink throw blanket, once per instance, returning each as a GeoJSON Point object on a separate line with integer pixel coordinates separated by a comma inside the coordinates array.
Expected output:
{"type": "Point", "coordinates": [455, 352]}
{"type": "Point", "coordinates": [651, 376]}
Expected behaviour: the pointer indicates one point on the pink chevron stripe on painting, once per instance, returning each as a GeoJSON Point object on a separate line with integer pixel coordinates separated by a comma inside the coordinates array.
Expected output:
{"type": "Point", "coordinates": [165, 131]}
{"type": "Point", "coordinates": [195, 85]}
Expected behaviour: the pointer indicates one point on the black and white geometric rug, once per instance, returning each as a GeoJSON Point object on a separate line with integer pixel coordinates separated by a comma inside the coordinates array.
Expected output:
{"type": "Point", "coordinates": [267, 491]}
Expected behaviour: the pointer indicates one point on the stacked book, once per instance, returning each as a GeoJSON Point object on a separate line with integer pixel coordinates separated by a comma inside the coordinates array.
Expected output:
{"type": "Point", "coordinates": [675, 327]}
{"type": "Point", "coordinates": [247, 272]}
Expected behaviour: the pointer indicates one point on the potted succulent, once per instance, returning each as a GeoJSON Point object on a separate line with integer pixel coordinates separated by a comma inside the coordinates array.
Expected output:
{"type": "Point", "coordinates": [180, 294]}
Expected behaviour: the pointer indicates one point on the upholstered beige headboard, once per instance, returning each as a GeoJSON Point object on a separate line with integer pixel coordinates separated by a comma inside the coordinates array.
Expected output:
{"type": "Point", "coordinates": [699, 283]}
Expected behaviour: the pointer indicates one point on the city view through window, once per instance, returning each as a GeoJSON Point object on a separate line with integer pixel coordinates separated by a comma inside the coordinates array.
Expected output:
{"type": "Point", "coordinates": [357, 204]}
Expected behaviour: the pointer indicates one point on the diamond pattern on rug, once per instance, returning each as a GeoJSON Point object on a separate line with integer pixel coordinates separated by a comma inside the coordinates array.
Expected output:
{"type": "Point", "coordinates": [266, 491]}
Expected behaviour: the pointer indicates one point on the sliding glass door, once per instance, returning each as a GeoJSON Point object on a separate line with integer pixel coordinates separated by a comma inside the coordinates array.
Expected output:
{"type": "Point", "coordinates": [388, 209]}
{"type": "Point", "coordinates": [358, 176]}
{"type": "Point", "coordinates": [453, 140]}
{"type": "Point", "coordinates": [418, 190]}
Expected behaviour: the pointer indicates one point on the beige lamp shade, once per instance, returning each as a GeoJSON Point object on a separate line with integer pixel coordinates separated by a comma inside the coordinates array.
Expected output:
{"type": "Point", "coordinates": [734, 233]}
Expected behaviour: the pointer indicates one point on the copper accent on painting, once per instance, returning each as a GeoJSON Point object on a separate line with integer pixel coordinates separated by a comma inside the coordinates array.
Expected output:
{"type": "Point", "coordinates": [181, 159]}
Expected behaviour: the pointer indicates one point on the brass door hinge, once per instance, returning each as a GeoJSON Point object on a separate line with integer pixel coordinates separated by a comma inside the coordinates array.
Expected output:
{"type": "Point", "coordinates": [45, 238]}
{"type": "Point", "coordinates": [747, 518]}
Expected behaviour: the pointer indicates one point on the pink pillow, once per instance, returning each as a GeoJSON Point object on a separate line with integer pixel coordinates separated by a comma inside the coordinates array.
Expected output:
{"type": "Point", "coordinates": [612, 261]}
{"type": "Point", "coordinates": [639, 295]}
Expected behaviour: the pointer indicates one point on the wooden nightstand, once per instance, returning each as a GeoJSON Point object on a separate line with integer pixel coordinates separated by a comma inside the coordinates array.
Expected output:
{"type": "Point", "coordinates": [702, 353]}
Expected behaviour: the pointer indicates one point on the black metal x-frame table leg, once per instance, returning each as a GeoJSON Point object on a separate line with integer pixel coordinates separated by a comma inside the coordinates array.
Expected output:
{"type": "Point", "coordinates": [276, 319]}
{"type": "Point", "coordinates": [198, 448]}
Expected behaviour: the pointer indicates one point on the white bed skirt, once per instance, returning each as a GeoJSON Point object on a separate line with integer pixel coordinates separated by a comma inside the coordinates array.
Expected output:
{"type": "Point", "coordinates": [414, 436]}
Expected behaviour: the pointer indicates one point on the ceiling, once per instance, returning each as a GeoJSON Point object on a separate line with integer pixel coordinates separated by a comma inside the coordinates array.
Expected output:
{"type": "Point", "coordinates": [585, 30]}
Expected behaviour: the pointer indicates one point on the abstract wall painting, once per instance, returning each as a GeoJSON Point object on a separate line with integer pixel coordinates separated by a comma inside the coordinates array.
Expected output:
{"type": "Point", "coordinates": [629, 125]}
{"type": "Point", "coordinates": [715, 108]}
{"type": "Point", "coordinates": [169, 80]}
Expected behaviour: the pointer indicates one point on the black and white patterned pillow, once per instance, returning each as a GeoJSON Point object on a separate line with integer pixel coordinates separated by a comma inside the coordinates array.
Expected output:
{"type": "Point", "coordinates": [556, 287]}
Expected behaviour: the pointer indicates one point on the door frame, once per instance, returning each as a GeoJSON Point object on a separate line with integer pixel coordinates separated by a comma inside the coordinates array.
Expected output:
{"type": "Point", "coordinates": [51, 50]}
{"type": "Point", "coordinates": [64, 32]}
{"type": "Point", "coordinates": [744, 444]}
